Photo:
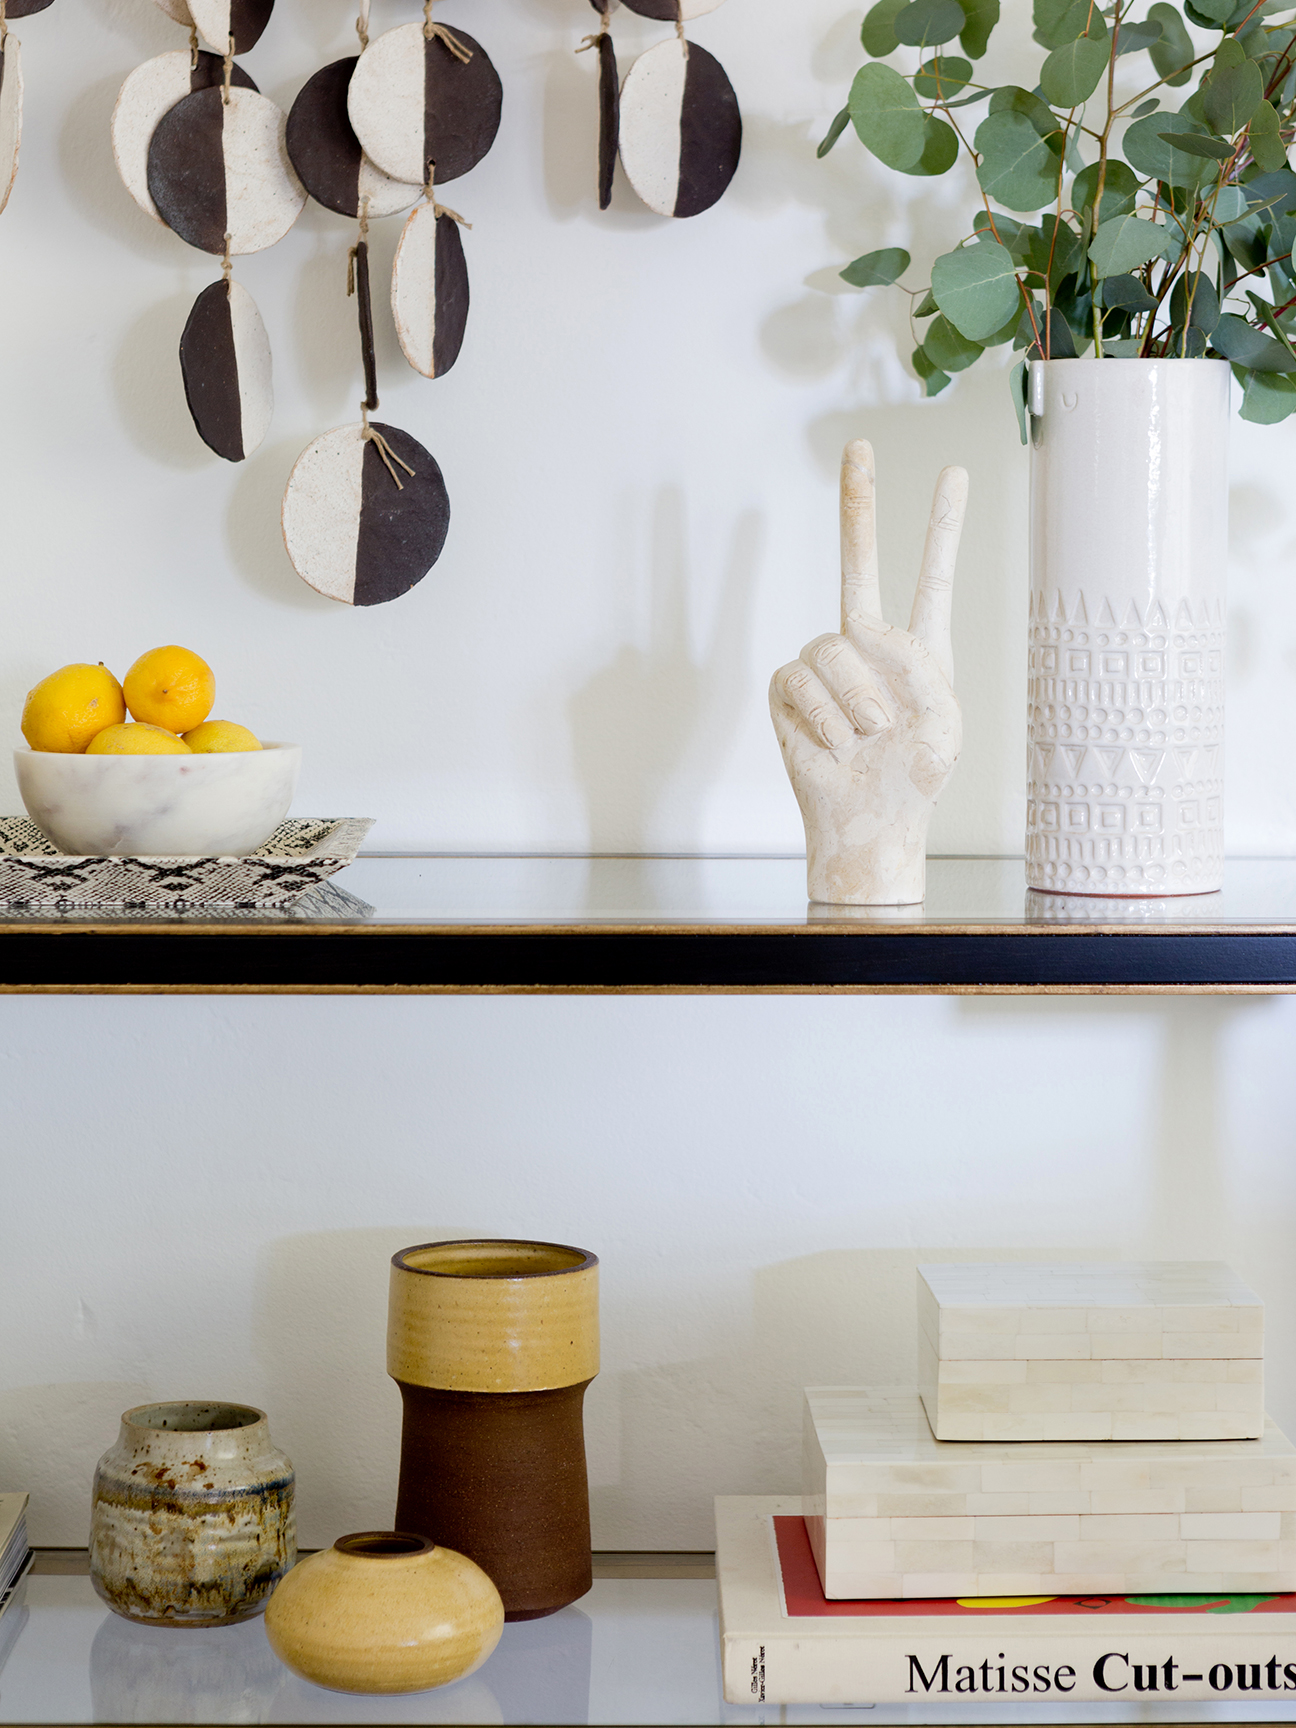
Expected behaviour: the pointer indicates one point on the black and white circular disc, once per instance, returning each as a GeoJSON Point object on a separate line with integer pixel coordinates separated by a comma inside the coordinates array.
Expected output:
{"type": "Point", "coordinates": [351, 532]}
{"type": "Point", "coordinates": [665, 10]}
{"type": "Point", "coordinates": [413, 103]}
{"type": "Point", "coordinates": [11, 95]}
{"type": "Point", "coordinates": [151, 91]}
{"type": "Point", "coordinates": [681, 132]}
{"type": "Point", "coordinates": [217, 20]}
{"type": "Point", "coordinates": [326, 152]}
{"type": "Point", "coordinates": [430, 292]}
{"type": "Point", "coordinates": [217, 166]}
{"type": "Point", "coordinates": [225, 363]}
{"type": "Point", "coordinates": [25, 8]}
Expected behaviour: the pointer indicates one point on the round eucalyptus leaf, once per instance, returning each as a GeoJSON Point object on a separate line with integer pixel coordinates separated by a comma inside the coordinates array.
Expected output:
{"type": "Point", "coordinates": [877, 269]}
{"type": "Point", "coordinates": [1231, 95]}
{"type": "Point", "coordinates": [1195, 303]}
{"type": "Point", "coordinates": [1017, 167]}
{"type": "Point", "coordinates": [1265, 139]}
{"type": "Point", "coordinates": [1268, 397]}
{"type": "Point", "coordinates": [886, 115]}
{"type": "Point", "coordinates": [876, 33]}
{"type": "Point", "coordinates": [1071, 74]}
{"type": "Point", "coordinates": [1125, 242]}
{"type": "Point", "coordinates": [1134, 37]}
{"type": "Point", "coordinates": [1229, 203]}
{"type": "Point", "coordinates": [834, 132]}
{"type": "Point", "coordinates": [934, 380]}
{"type": "Point", "coordinates": [940, 148]}
{"type": "Point", "coordinates": [1198, 144]}
{"type": "Point", "coordinates": [942, 77]}
{"type": "Point", "coordinates": [1237, 340]}
{"type": "Point", "coordinates": [1148, 107]}
{"type": "Point", "coordinates": [1145, 147]}
{"type": "Point", "coordinates": [976, 288]}
{"type": "Point", "coordinates": [1120, 188]}
{"type": "Point", "coordinates": [1126, 293]}
{"type": "Point", "coordinates": [950, 350]}
{"type": "Point", "coordinates": [1173, 53]}
{"type": "Point", "coordinates": [1209, 14]}
{"type": "Point", "coordinates": [924, 23]}
{"type": "Point", "coordinates": [982, 16]}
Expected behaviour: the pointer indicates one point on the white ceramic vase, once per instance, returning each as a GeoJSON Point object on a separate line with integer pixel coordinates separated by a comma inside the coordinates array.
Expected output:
{"type": "Point", "coordinates": [1129, 548]}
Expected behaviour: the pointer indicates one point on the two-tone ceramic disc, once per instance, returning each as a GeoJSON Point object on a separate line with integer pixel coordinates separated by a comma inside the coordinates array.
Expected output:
{"type": "Point", "coordinates": [225, 363]}
{"type": "Point", "coordinates": [217, 167]}
{"type": "Point", "coordinates": [25, 8]}
{"type": "Point", "coordinates": [680, 129]}
{"type": "Point", "coordinates": [667, 12]}
{"type": "Point", "coordinates": [11, 96]}
{"type": "Point", "coordinates": [430, 292]}
{"type": "Point", "coordinates": [352, 533]}
{"type": "Point", "coordinates": [413, 103]}
{"type": "Point", "coordinates": [327, 155]}
{"type": "Point", "coordinates": [151, 91]}
{"type": "Point", "coordinates": [217, 20]}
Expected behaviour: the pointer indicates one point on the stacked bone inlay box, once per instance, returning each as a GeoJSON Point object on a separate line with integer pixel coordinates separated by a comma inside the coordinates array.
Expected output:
{"type": "Point", "coordinates": [1165, 1350]}
{"type": "Point", "coordinates": [1051, 1506]}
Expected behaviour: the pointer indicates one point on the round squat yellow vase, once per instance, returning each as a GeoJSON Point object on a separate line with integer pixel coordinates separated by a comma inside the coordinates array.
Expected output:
{"type": "Point", "coordinates": [384, 1611]}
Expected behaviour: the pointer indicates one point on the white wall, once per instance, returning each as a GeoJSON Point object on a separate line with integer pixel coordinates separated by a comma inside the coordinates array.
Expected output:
{"type": "Point", "coordinates": [201, 1198]}
{"type": "Point", "coordinates": [640, 440]}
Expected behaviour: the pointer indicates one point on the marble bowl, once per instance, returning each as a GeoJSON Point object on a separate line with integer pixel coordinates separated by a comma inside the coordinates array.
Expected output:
{"type": "Point", "coordinates": [221, 805]}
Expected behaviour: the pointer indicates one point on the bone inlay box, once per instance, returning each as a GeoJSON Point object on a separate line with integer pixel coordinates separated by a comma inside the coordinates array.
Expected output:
{"type": "Point", "coordinates": [1155, 1350]}
{"type": "Point", "coordinates": [894, 1512]}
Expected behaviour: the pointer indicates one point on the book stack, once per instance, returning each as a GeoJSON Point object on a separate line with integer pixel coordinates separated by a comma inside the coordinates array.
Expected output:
{"type": "Point", "coordinates": [15, 1555]}
{"type": "Point", "coordinates": [1078, 1432]}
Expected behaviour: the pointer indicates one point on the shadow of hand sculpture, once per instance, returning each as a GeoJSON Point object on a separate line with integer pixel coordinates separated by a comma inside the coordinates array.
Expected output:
{"type": "Point", "coordinates": [867, 720]}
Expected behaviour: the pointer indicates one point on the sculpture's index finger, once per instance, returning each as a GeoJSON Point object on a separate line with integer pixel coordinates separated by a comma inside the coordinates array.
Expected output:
{"type": "Point", "coordinates": [930, 622]}
{"type": "Point", "coordinates": [860, 595]}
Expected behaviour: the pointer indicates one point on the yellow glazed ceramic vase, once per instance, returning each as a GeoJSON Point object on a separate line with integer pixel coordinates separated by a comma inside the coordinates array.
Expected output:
{"type": "Point", "coordinates": [384, 1611]}
{"type": "Point", "coordinates": [493, 1344]}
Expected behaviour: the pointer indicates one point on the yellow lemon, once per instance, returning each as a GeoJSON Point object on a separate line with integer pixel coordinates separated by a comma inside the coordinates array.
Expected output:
{"type": "Point", "coordinates": [220, 735]}
{"type": "Point", "coordinates": [170, 687]}
{"type": "Point", "coordinates": [64, 711]}
{"type": "Point", "coordinates": [139, 740]}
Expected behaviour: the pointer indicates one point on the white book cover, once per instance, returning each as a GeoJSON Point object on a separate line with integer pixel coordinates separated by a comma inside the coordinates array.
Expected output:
{"type": "Point", "coordinates": [783, 1642]}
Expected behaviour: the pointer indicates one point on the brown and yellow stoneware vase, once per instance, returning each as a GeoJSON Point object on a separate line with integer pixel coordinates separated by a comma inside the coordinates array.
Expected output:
{"type": "Point", "coordinates": [192, 1522]}
{"type": "Point", "coordinates": [384, 1611]}
{"type": "Point", "coordinates": [492, 1344]}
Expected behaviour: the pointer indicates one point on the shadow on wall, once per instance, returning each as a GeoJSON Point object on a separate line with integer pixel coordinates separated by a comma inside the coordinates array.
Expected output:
{"type": "Point", "coordinates": [320, 1334]}
{"type": "Point", "coordinates": [731, 1424]}
{"type": "Point", "coordinates": [150, 390]}
{"type": "Point", "coordinates": [658, 720]}
{"type": "Point", "coordinates": [50, 1435]}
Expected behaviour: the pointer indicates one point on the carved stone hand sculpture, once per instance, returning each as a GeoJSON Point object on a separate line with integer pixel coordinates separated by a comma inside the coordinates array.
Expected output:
{"type": "Point", "coordinates": [867, 721]}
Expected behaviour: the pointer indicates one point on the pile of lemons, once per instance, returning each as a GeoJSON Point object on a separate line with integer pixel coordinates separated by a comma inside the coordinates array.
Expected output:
{"type": "Point", "coordinates": [169, 692]}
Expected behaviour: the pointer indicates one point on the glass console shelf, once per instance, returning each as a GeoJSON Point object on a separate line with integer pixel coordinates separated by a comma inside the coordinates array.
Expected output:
{"type": "Point", "coordinates": [452, 923]}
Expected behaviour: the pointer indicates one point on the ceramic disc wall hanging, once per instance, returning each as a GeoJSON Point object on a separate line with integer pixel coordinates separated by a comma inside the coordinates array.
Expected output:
{"type": "Point", "coordinates": [353, 531]}
{"type": "Point", "coordinates": [225, 362]}
{"type": "Point", "coordinates": [218, 169]}
{"type": "Point", "coordinates": [327, 155]}
{"type": "Point", "coordinates": [609, 99]}
{"type": "Point", "coordinates": [430, 291]}
{"type": "Point", "coordinates": [151, 91]}
{"type": "Point", "coordinates": [414, 101]}
{"type": "Point", "coordinates": [218, 21]}
{"type": "Point", "coordinates": [11, 96]}
{"type": "Point", "coordinates": [25, 8]}
{"type": "Point", "coordinates": [671, 11]}
{"type": "Point", "coordinates": [681, 132]}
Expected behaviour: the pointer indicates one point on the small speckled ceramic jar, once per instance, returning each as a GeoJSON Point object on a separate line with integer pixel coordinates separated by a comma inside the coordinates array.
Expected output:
{"type": "Point", "coordinates": [384, 1611]}
{"type": "Point", "coordinates": [492, 1344]}
{"type": "Point", "coordinates": [192, 1522]}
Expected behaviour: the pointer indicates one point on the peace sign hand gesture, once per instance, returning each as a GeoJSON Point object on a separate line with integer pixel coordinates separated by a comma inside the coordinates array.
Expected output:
{"type": "Point", "coordinates": [867, 720]}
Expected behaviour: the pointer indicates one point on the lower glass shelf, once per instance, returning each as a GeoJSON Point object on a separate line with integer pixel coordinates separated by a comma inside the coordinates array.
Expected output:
{"type": "Point", "coordinates": [635, 1650]}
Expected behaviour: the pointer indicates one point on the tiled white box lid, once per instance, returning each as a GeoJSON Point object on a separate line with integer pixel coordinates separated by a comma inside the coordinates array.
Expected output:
{"type": "Point", "coordinates": [1138, 1309]}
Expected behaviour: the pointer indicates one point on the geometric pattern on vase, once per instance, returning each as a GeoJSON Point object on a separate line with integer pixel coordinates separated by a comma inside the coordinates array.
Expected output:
{"type": "Point", "coordinates": [1125, 754]}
